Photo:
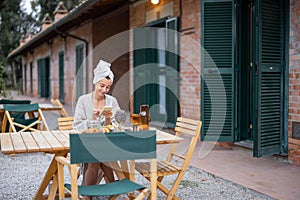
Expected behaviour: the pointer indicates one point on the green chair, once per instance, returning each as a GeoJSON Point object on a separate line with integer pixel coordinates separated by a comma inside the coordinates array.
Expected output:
{"type": "Point", "coordinates": [13, 101]}
{"type": "Point", "coordinates": [32, 121]}
{"type": "Point", "coordinates": [14, 115]}
{"type": "Point", "coordinates": [109, 148]}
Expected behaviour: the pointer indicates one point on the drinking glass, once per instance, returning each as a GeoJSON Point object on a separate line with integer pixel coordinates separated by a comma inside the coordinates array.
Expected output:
{"type": "Point", "coordinates": [93, 124]}
{"type": "Point", "coordinates": [135, 119]}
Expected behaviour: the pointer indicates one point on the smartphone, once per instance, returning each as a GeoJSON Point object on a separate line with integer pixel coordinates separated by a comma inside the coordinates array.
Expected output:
{"type": "Point", "coordinates": [106, 108]}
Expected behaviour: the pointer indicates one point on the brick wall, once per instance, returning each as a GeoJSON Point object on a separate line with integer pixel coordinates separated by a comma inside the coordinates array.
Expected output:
{"type": "Point", "coordinates": [294, 80]}
{"type": "Point", "coordinates": [190, 59]}
{"type": "Point", "coordinates": [51, 50]}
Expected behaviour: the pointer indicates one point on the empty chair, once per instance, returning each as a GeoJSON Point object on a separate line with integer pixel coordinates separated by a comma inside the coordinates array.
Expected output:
{"type": "Point", "coordinates": [63, 112]}
{"type": "Point", "coordinates": [94, 148]}
{"type": "Point", "coordinates": [65, 123]}
{"type": "Point", "coordinates": [14, 115]}
{"type": "Point", "coordinates": [176, 162]}
{"type": "Point", "coordinates": [34, 119]}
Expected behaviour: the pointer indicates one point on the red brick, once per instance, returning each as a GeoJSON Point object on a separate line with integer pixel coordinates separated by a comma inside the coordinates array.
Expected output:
{"type": "Point", "coordinates": [295, 160]}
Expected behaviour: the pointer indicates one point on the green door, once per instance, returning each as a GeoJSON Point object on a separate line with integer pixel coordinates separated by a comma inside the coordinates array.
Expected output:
{"type": "Point", "coordinates": [156, 70]}
{"type": "Point", "coordinates": [269, 56]}
{"type": "Point", "coordinates": [61, 77]}
{"type": "Point", "coordinates": [141, 69]}
{"type": "Point", "coordinates": [79, 71]}
{"type": "Point", "coordinates": [217, 69]}
{"type": "Point", "coordinates": [44, 77]}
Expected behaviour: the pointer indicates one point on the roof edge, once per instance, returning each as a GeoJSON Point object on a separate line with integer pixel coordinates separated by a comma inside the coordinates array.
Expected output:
{"type": "Point", "coordinates": [69, 17]}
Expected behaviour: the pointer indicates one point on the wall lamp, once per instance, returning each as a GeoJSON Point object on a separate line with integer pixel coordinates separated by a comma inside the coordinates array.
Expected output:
{"type": "Point", "coordinates": [155, 2]}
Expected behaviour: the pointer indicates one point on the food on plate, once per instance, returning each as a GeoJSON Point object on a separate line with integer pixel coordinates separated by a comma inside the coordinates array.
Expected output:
{"type": "Point", "coordinates": [91, 130]}
{"type": "Point", "coordinates": [107, 129]}
{"type": "Point", "coordinates": [104, 130]}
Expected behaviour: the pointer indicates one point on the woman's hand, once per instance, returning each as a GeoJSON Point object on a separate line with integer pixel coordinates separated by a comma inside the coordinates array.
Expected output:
{"type": "Point", "coordinates": [96, 113]}
{"type": "Point", "coordinates": [107, 115]}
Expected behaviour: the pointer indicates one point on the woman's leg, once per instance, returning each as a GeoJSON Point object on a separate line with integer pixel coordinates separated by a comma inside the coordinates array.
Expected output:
{"type": "Point", "coordinates": [108, 172]}
{"type": "Point", "coordinates": [91, 173]}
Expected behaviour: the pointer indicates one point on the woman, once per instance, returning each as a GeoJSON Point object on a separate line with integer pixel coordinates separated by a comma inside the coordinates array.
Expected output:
{"type": "Point", "coordinates": [89, 107]}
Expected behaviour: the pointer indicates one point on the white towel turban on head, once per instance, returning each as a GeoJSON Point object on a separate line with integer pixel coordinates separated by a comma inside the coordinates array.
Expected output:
{"type": "Point", "coordinates": [102, 71]}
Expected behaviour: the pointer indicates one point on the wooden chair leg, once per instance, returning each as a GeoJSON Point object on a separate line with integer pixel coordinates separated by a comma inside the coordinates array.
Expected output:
{"type": "Point", "coordinates": [74, 188]}
{"type": "Point", "coordinates": [165, 190]}
{"type": "Point", "coordinates": [4, 122]}
{"type": "Point", "coordinates": [53, 188]}
{"type": "Point", "coordinates": [100, 177]}
{"type": "Point", "coordinates": [142, 194]}
{"type": "Point", "coordinates": [160, 178]}
{"type": "Point", "coordinates": [175, 185]}
{"type": "Point", "coordinates": [60, 170]}
{"type": "Point", "coordinates": [113, 197]}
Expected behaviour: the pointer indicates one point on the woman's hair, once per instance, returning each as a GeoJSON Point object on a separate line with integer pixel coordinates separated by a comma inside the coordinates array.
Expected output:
{"type": "Point", "coordinates": [107, 77]}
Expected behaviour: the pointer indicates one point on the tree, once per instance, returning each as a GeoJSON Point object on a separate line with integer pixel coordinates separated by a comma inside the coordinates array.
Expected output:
{"type": "Point", "coordinates": [12, 26]}
{"type": "Point", "coordinates": [15, 22]}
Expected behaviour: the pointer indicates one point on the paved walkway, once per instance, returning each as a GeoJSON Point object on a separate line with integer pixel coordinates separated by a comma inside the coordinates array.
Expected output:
{"type": "Point", "coordinates": [265, 175]}
{"type": "Point", "coordinates": [269, 176]}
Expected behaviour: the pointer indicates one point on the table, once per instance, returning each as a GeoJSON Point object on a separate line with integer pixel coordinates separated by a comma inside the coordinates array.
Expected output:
{"type": "Point", "coordinates": [53, 142]}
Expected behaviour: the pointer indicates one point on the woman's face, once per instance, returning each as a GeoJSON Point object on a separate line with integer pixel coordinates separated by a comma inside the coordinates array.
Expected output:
{"type": "Point", "coordinates": [102, 87]}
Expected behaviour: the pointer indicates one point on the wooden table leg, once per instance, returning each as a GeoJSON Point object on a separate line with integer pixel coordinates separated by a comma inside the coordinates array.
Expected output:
{"type": "Point", "coordinates": [48, 176]}
{"type": "Point", "coordinates": [124, 167]}
{"type": "Point", "coordinates": [54, 187]}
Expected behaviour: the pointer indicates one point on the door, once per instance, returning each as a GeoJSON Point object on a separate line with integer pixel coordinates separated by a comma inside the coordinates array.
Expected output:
{"type": "Point", "coordinates": [156, 70]}
{"type": "Point", "coordinates": [269, 47]}
{"type": "Point", "coordinates": [44, 77]}
{"type": "Point", "coordinates": [61, 77]}
{"type": "Point", "coordinates": [172, 72]}
{"type": "Point", "coordinates": [218, 72]}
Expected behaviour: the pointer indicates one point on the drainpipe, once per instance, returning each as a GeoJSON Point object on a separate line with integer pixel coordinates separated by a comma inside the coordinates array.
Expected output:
{"type": "Point", "coordinates": [86, 53]}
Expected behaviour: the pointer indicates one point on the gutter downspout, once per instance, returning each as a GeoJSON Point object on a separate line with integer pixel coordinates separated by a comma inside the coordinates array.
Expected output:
{"type": "Point", "coordinates": [86, 53]}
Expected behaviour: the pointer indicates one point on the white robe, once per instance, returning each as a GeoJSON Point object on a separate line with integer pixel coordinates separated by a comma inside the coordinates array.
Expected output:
{"type": "Point", "coordinates": [84, 111]}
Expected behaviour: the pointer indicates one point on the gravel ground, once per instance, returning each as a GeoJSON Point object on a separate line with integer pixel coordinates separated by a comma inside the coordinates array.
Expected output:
{"type": "Point", "coordinates": [21, 174]}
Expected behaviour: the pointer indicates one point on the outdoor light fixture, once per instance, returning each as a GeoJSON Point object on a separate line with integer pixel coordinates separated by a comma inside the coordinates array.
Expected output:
{"type": "Point", "coordinates": [155, 2]}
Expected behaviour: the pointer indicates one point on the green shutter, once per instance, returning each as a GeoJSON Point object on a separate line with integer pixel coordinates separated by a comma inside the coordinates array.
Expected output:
{"type": "Point", "coordinates": [172, 71]}
{"type": "Point", "coordinates": [269, 80]}
{"type": "Point", "coordinates": [61, 77]}
{"type": "Point", "coordinates": [25, 79]}
{"type": "Point", "coordinates": [79, 71]}
{"type": "Point", "coordinates": [31, 80]}
{"type": "Point", "coordinates": [40, 67]}
{"type": "Point", "coordinates": [217, 81]}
